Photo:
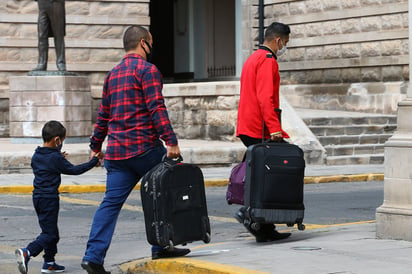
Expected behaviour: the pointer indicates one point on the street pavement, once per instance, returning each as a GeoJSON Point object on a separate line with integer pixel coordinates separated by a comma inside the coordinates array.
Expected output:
{"type": "Point", "coordinates": [338, 248]}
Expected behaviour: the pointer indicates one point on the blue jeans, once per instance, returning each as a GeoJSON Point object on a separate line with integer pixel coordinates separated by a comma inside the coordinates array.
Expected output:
{"type": "Point", "coordinates": [122, 177]}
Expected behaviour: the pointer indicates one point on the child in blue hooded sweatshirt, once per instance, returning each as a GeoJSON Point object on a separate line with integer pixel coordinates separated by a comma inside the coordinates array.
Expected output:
{"type": "Point", "coordinates": [48, 163]}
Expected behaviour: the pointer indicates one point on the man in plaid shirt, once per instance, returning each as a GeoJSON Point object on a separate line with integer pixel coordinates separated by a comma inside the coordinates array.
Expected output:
{"type": "Point", "coordinates": [133, 116]}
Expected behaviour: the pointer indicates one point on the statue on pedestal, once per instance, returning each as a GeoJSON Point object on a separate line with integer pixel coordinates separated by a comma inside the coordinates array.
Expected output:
{"type": "Point", "coordinates": [51, 23]}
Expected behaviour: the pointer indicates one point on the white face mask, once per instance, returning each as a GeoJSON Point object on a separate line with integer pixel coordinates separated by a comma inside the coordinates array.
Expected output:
{"type": "Point", "coordinates": [281, 51]}
{"type": "Point", "coordinates": [59, 147]}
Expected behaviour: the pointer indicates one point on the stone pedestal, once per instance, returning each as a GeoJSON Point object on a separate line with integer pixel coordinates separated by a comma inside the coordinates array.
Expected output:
{"type": "Point", "coordinates": [394, 217]}
{"type": "Point", "coordinates": [35, 100]}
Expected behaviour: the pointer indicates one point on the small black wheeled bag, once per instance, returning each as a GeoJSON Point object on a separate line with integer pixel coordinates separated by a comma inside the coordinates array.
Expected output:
{"type": "Point", "coordinates": [174, 204]}
{"type": "Point", "coordinates": [274, 184]}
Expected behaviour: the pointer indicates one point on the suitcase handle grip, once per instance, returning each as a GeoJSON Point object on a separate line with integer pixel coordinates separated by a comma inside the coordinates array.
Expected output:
{"type": "Point", "coordinates": [172, 161]}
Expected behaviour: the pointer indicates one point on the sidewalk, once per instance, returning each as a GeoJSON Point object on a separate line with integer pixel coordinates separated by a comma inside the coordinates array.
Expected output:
{"type": "Point", "coordinates": [348, 248]}
{"type": "Point", "coordinates": [345, 249]}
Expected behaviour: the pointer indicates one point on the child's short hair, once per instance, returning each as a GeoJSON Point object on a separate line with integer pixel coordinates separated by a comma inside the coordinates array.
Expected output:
{"type": "Point", "coordinates": [53, 129]}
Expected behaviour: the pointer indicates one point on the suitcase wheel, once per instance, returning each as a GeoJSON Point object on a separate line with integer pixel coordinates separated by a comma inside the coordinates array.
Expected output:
{"type": "Point", "coordinates": [301, 226]}
{"type": "Point", "coordinates": [207, 238]}
{"type": "Point", "coordinates": [255, 226]}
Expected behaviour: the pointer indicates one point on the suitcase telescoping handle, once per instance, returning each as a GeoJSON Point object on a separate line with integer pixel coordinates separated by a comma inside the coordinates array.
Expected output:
{"type": "Point", "coordinates": [172, 161]}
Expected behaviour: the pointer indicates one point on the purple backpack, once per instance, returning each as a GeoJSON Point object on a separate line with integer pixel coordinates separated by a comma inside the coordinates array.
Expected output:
{"type": "Point", "coordinates": [235, 193]}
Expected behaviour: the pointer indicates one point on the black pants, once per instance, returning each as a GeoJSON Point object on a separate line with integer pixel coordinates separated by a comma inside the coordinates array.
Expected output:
{"type": "Point", "coordinates": [248, 141]}
{"type": "Point", "coordinates": [47, 210]}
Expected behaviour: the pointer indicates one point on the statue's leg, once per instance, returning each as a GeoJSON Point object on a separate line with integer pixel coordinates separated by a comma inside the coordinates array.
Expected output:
{"type": "Point", "coordinates": [43, 25]}
{"type": "Point", "coordinates": [57, 18]}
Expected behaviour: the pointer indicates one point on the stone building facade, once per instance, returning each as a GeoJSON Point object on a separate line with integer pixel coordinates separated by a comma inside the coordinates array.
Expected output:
{"type": "Point", "coordinates": [343, 54]}
{"type": "Point", "coordinates": [347, 41]}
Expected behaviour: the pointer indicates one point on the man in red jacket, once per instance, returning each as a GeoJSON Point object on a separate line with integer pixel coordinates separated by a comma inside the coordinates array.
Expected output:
{"type": "Point", "coordinates": [259, 98]}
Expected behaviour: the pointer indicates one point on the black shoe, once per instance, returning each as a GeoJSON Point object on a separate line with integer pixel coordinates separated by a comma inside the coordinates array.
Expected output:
{"type": "Point", "coordinates": [268, 233]}
{"type": "Point", "coordinates": [270, 238]}
{"type": "Point", "coordinates": [240, 215]}
{"type": "Point", "coordinates": [93, 268]}
{"type": "Point", "coordinates": [175, 252]}
{"type": "Point", "coordinates": [275, 235]}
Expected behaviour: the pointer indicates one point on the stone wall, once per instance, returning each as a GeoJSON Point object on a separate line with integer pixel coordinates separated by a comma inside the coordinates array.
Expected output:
{"type": "Point", "coordinates": [94, 31]}
{"type": "Point", "coordinates": [372, 97]}
{"type": "Point", "coordinates": [209, 110]}
{"type": "Point", "coordinates": [203, 110]}
{"type": "Point", "coordinates": [206, 110]}
{"type": "Point", "coordinates": [333, 42]}
{"type": "Point", "coordinates": [341, 41]}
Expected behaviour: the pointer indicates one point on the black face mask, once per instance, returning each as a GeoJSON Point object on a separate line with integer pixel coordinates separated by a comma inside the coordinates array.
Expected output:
{"type": "Point", "coordinates": [149, 54]}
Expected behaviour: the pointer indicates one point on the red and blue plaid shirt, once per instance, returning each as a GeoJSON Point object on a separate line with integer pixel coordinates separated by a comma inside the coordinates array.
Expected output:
{"type": "Point", "coordinates": [132, 112]}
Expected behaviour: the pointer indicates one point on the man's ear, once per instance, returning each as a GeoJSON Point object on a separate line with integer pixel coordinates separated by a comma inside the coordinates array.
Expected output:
{"type": "Point", "coordinates": [141, 43]}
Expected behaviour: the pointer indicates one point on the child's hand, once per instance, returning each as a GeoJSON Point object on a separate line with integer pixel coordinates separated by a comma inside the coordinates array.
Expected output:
{"type": "Point", "coordinates": [100, 156]}
{"type": "Point", "coordinates": [65, 154]}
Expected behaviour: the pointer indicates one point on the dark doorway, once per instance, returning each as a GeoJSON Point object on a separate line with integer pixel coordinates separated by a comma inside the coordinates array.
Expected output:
{"type": "Point", "coordinates": [161, 27]}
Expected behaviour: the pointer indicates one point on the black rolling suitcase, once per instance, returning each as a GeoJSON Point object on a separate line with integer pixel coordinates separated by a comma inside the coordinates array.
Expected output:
{"type": "Point", "coordinates": [174, 204]}
{"type": "Point", "coordinates": [274, 184]}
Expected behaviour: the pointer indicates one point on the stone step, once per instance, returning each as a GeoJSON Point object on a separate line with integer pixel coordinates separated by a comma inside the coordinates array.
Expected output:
{"type": "Point", "coordinates": [364, 159]}
{"type": "Point", "coordinates": [338, 150]}
{"type": "Point", "coordinates": [327, 130]}
{"type": "Point", "coordinates": [350, 137]}
{"type": "Point", "coordinates": [363, 120]}
{"type": "Point", "coordinates": [354, 139]}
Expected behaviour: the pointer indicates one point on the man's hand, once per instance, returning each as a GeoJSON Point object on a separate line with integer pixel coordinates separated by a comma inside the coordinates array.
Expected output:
{"type": "Point", "coordinates": [173, 151]}
{"type": "Point", "coordinates": [99, 155]}
{"type": "Point", "coordinates": [276, 137]}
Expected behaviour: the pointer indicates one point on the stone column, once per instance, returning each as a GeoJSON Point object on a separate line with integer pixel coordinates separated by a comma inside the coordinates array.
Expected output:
{"type": "Point", "coordinates": [394, 216]}
{"type": "Point", "coordinates": [35, 100]}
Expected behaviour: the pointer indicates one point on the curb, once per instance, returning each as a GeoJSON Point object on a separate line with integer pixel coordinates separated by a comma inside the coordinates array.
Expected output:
{"type": "Point", "coordinates": [25, 189]}
{"type": "Point", "coordinates": [182, 265]}
{"type": "Point", "coordinates": [344, 178]}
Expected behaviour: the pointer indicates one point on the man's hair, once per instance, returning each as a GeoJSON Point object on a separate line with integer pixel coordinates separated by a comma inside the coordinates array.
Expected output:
{"type": "Point", "coordinates": [275, 30]}
{"type": "Point", "coordinates": [133, 35]}
{"type": "Point", "coordinates": [53, 129]}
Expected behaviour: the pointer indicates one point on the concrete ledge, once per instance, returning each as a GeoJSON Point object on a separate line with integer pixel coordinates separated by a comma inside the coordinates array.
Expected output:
{"type": "Point", "coordinates": [182, 265]}
{"type": "Point", "coordinates": [16, 158]}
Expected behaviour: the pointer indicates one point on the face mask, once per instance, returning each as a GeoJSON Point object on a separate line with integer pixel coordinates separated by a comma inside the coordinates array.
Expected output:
{"type": "Point", "coordinates": [59, 147]}
{"type": "Point", "coordinates": [281, 51]}
{"type": "Point", "coordinates": [149, 54]}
